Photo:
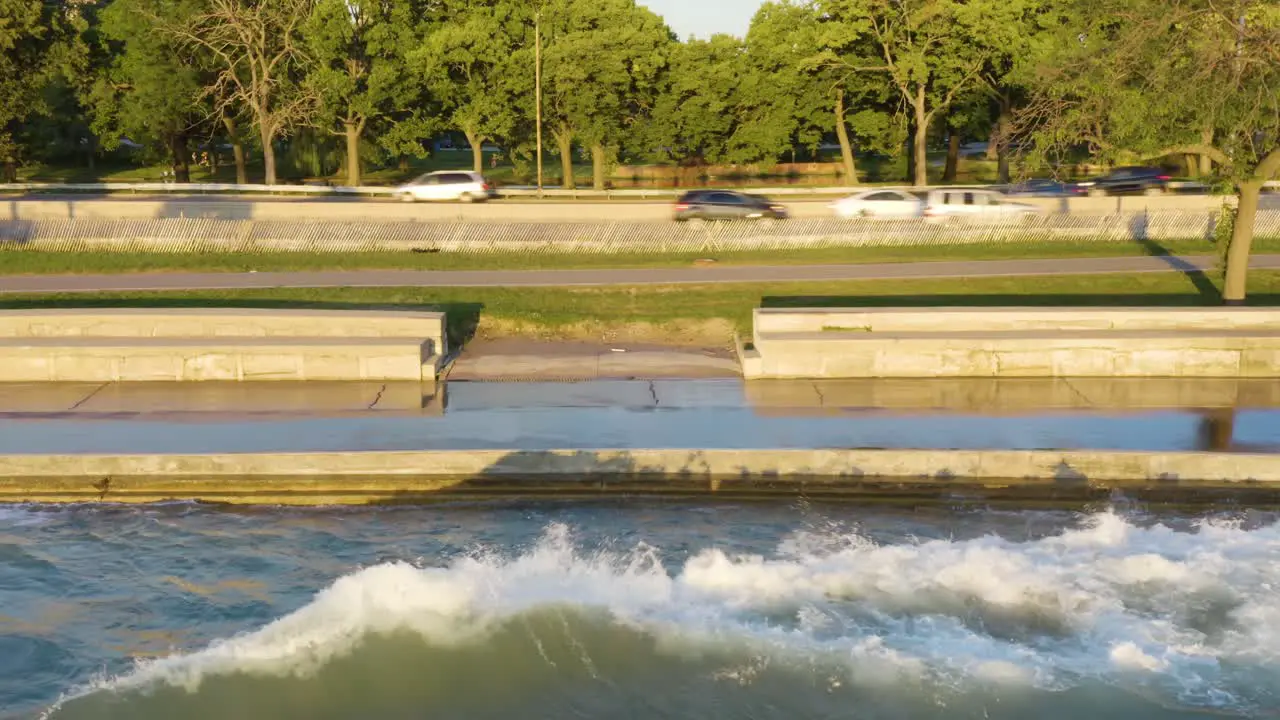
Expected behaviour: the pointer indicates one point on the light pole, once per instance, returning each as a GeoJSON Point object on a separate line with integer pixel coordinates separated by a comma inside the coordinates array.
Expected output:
{"type": "Point", "coordinates": [537, 73]}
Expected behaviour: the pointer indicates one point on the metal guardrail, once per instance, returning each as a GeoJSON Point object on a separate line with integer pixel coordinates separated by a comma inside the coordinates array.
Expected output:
{"type": "Point", "coordinates": [514, 192]}
{"type": "Point", "coordinates": [184, 235]}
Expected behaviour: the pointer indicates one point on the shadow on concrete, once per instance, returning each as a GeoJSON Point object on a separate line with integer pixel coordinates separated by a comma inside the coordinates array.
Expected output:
{"type": "Point", "coordinates": [462, 318]}
{"type": "Point", "coordinates": [619, 475]}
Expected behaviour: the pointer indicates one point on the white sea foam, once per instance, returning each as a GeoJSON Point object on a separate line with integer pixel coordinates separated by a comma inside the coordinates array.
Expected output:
{"type": "Point", "coordinates": [1109, 601]}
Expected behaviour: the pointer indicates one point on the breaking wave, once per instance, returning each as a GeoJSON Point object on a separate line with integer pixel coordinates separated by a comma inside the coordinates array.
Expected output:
{"type": "Point", "coordinates": [1109, 617]}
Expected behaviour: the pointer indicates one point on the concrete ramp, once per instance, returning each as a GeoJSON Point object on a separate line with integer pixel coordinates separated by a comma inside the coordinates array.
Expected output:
{"type": "Point", "coordinates": [1013, 343]}
{"type": "Point", "coordinates": [124, 345]}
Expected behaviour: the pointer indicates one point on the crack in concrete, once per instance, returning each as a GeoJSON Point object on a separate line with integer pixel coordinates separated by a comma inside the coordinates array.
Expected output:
{"type": "Point", "coordinates": [90, 396]}
{"type": "Point", "coordinates": [654, 392]}
{"type": "Point", "coordinates": [1079, 394]}
{"type": "Point", "coordinates": [822, 399]}
{"type": "Point", "coordinates": [377, 398]}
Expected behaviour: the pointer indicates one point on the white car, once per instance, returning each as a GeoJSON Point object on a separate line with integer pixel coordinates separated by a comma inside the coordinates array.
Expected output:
{"type": "Point", "coordinates": [447, 185]}
{"type": "Point", "coordinates": [880, 204]}
{"type": "Point", "coordinates": [972, 202]}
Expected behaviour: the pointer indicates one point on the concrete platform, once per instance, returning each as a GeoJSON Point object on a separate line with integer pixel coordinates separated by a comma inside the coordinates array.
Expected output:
{"type": "Point", "coordinates": [389, 477]}
{"type": "Point", "coordinates": [223, 322]}
{"type": "Point", "coordinates": [509, 360]}
{"type": "Point", "coordinates": [182, 345]}
{"type": "Point", "coordinates": [205, 359]}
{"type": "Point", "coordinates": [1014, 342]}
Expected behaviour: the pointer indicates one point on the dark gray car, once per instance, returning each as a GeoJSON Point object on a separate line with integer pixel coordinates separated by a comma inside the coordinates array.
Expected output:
{"type": "Point", "coordinates": [1128, 181]}
{"type": "Point", "coordinates": [726, 205]}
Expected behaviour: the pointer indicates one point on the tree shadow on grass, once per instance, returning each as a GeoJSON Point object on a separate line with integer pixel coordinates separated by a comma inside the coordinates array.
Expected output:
{"type": "Point", "coordinates": [461, 318]}
{"type": "Point", "coordinates": [1204, 284]}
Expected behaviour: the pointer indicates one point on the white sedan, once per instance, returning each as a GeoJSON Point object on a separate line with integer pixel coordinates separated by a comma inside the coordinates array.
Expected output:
{"type": "Point", "coordinates": [880, 204]}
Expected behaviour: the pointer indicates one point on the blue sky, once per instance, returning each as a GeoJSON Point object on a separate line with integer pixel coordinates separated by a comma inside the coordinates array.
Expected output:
{"type": "Point", "coordinates": [705, 17]}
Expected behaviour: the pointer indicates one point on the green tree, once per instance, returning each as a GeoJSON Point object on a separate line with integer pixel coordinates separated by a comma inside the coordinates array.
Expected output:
{"type": "Point", "coordinates": [602, 65]}
{"type": "Point", "coordinates": [150, 90]}
{"type": "Point", "coordinates": [358, 53]}
{"type": "Point", "coordinates": [479, 65]}
{"type": "Point", "coordinates": [39, 41]}
{"type": "Point", "coordinates": [1136, 80]}
{"type": "Point", "coordinates": [790, 102]}
{"type": "Point", "coordinates": [697, 112]}
{"type": "Point", "coordinates": [928, 51]}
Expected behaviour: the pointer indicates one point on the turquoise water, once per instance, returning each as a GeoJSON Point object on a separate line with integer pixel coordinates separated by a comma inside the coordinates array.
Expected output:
{"type": "Point", "coordinates": [633, 608]}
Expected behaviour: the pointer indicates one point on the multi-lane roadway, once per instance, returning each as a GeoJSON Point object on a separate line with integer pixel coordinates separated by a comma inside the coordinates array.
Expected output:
{"type": "Point", "coordinates": [347, 208]}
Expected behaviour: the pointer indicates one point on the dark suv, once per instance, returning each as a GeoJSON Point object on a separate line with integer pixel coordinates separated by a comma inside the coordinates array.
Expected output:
{"type": "Point", "coordinates": [725, 205]}
{"type": "Point", "coordinates": [1128, 180]}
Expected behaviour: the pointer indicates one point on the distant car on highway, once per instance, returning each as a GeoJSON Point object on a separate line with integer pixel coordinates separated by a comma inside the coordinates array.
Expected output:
{"type": "Point", "coordinates": [1044, 187]}
{"type": "Point", "coordinates": [1127, 181]}
{"type": "Point", "coordinates": [447, 185]}
{"type": "Point", "coordinates": [974, 203]}
{"type": "Point", "coordinates": [880, 204]}
{"type": "Point", "coordinates": [726, 205]}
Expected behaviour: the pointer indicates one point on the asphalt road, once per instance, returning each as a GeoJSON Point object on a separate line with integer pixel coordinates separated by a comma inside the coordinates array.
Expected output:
{"type": "Point", "coordinates": [166, 281]}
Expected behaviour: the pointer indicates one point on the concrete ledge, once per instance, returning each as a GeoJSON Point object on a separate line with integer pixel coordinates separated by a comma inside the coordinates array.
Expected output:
{"type": "Point", "coordinates": [223, 322]}
{"type": "Point", "coordinates": [204, 359]}
{"type": "Point", "coordinates": [115, 345]}
{"type": "Point", "coordinates": [1014, 342]}
{"type": "Point", "coordinates": [1012, 319]}
{"type": "Point", "coordinates": [323, 478]}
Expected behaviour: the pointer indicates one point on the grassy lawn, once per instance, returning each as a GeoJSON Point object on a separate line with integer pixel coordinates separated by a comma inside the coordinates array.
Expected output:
{"type": "Point", "coordinates": [695, 314]}
{"type": "Point", "coordinates": [26, 262]}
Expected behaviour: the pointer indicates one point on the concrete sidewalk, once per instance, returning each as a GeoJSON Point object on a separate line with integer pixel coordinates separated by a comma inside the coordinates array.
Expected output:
{"type": "Point", "coordinates": [713, 274]}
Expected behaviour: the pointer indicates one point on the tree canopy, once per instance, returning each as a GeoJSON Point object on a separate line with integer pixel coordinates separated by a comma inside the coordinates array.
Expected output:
{"type": "Point", "coordinates": [1136, 80]}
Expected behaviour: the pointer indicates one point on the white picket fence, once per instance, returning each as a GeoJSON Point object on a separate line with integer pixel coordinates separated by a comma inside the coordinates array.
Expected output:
{"type": "Point", "coordinates": [193, 235]}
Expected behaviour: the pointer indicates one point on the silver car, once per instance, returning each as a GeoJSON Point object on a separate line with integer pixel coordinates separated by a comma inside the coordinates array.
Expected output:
{"type": "Point", "coordinates": [446, 186]}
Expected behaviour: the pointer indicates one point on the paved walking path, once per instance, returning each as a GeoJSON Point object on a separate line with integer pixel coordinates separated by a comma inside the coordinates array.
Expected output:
{"type": "Point", "coordinates": [597, 277]}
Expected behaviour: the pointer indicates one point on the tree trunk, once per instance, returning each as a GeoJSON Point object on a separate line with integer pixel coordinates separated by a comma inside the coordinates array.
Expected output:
{"type": "Point", "coordinates": [1190, 164]}
{"type": "Point", "coordinates": [477, 149]}
{"type": "Point", "coordinates": [91, 154]}
{"type": "Point", "coordinates": [1206, 163]}
{"type": "Point", "coordinates": [10, 169]}
{"type": "Point", "coordinates": [181, 163]}
{"type": "Point", "coordinates": [921, 146]}
{"type": "Point", "coordinates": [237, 151]}
{"type": "Point", "coordinates": [351, 129]}
{"type": "Point", "coordinates": [268, 158]}
{"type": "Point", "coordinates": [953, 158]}
{"type": "Point", "coordinates": [598, 163]}
{"type": "Point", "coordinates": [564, 139]}
{"type": "Point", "coordinates": [846, 147]}
{"type": "Point", "coordinates": [1241, 242]}
{"type": "Point", "coordinates": [998, 144]}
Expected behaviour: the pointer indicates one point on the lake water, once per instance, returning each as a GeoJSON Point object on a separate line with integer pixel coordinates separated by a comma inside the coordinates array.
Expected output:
{"type": "Point", "coordinates": [638, 608]}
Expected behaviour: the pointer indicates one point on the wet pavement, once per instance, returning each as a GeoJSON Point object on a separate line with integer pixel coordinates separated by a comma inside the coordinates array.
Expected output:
{"type": "Point", "coordinates": [1166, 415]}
